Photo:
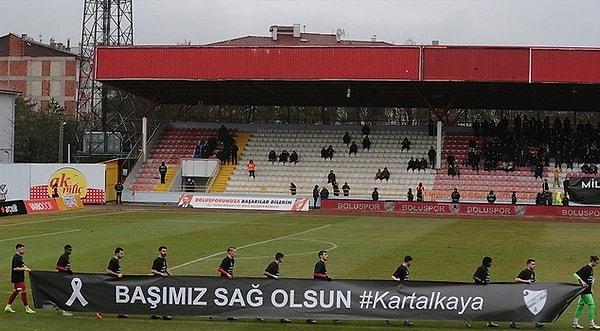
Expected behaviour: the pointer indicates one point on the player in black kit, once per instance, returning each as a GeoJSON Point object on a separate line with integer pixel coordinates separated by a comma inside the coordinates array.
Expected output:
{"type": "Point", "coordinates": [401, 275]}
{"type": "Point", "coordinates": [226, 269]}
{"type": "Point", "coordinates": [272, 272]}
{"type": "Point", "coordinates": [160, 268]}
{"type": "Point", "coordinates": [527, 276]}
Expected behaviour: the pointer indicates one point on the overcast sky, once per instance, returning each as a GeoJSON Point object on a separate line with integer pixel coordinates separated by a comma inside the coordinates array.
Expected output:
{"type": "Point", "coordinates": [452, 22]}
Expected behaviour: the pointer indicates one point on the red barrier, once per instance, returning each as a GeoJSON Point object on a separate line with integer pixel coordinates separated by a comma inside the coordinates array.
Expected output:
{"type": "Point", "coordinates": [466, 209]}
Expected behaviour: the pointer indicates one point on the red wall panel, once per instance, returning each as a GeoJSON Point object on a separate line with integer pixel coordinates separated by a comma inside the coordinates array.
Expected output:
{"type": "Point", "coordinates": [565, 65]}
{"type": "Point", "coordinates": [476, 64]}
{"type": "Point", "coordinates": [209, 63]}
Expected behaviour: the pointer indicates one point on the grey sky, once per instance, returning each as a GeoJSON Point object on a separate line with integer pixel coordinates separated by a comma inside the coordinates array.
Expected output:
{"type": "Point", "coordinates": [452, 22]}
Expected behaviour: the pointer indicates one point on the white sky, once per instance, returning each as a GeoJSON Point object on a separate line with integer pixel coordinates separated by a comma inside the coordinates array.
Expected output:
{"type": "Point", "coordinates": [452, 22]}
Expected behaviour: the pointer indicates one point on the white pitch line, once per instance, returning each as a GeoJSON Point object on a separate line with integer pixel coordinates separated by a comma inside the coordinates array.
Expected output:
{"type": "Point", "coordinates": [250, 245]}
{"type": "Point", "coordinates": [60, 219]}
{"type": "Point", "coordinates": [41, 235]}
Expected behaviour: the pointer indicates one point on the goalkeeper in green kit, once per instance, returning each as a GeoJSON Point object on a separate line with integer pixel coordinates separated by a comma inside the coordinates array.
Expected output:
{"type": "Point", "coordinates": [585, 277]}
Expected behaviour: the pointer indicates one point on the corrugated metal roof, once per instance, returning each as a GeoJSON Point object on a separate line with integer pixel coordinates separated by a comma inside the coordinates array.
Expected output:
{"type": "Point", "coordinates": [305, 39]}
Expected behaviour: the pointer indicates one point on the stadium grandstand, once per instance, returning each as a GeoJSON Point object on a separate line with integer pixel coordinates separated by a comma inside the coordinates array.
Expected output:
{"type": "Point", "coordinates": [499, 118]}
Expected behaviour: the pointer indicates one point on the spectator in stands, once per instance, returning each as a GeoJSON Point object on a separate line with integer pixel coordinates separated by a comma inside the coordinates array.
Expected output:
{"type": "Point", "coordinates": [347, 138]}
{"type": "Point", "coordinates": [545, 186]}
{"type": "Point", "coordinates": [378, 174]}
{"type": "Point", "coordinates": [292, 188]}
{"type": "Point", "coordinates": [431, 128]}
{"type": "Point", "coordinates": [331, 177]}
{"type": "Point", "coordinates": [251, 167]}
{"type": "Point", "coordinates": [432, 154]}
{"type": "Point", "coordinates": [565, 185]}
{"type": "Point", "coordinates": [330, 152]}
{"type": "Point", "coordinates": [283, 156]}
{"type": "Point", "coordinates": [324, 154]}
{"type": "Point", "coordinates": [294, 157]}
{"type": "Point", "coordinates": [272, 156]}
{"type": "Point", "coordinates": [539, 170]}
{"type": "Point", "coordinates": [221, 133]}
{"type": "Point", "coordinates": [336, 189]}
{"type": "Point", "coordinates": [366, 143]}
{"type": "Point", "coordinates": [233, 150]}
{"type": "Point", "coordinates": [353, 148]}
{"type": "Point", "coordinates": [412, 165]}
{"type": "Point", "coordinates": [409, 195]}
{"type": "Point", "coordinates": [513, 198]}
{"type": "Point", "coordinates": [385, 174]}
{"type": "Point", "coordinates": [558, 198]}
{"type": "Point", "coordinates": [162, 170]}
{"type": "Point", "coordinates": [405, 144]}
{"type": "Point", "coordinates": [475, 162]}
{"type": "Point", "coordinates": [491, 197]}
{"type": "Point", "coordinates": [451, 159]}
{"type": "Point", "coordinates": [556, 177]}
{"type": "Point", "coordinates": [420, 191]}
{"type": "Point", "coordinates": [223, 156]}
{"type": "Point", "coordinates": [366, 130]}
{"type": "Point", "coordinates": [422, 165]}
{"type": "Point", "coordinates": [565, 200]}
{"type": "Point", "coordinates": [455, 196]}
{"type": "Point", "coordinates": [316, 195]}
{"type": "Point", "coordinates": [346, 189]}
{"type": "Point", "coordinates": [324, 194]}
{"type": "Point", "coordinates": [375, 194]}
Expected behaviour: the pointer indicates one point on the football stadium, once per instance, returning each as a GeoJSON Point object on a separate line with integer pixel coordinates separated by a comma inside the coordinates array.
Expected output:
{"type": "Point", "coordinates": [296, 181]}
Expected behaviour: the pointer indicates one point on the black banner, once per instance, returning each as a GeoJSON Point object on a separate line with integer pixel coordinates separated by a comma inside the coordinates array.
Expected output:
{"type": "Point", "coordinates": [302, 298]}
{"type": "Point", "coordinates": [584, 190]}
{"type": "Point", "coordinates": [14, 207]}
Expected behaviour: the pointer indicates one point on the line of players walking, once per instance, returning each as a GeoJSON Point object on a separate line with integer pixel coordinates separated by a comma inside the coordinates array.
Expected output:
{"type": "Point", "coordinates": [585, 277]}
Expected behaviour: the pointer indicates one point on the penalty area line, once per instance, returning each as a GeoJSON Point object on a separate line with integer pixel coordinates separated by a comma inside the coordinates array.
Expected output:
{"type": "Point", "coordinates": [250, 245]}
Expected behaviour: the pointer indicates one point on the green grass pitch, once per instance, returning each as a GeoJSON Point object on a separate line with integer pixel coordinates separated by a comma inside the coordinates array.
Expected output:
{"type": "Point", "coordinates": [361, 246]}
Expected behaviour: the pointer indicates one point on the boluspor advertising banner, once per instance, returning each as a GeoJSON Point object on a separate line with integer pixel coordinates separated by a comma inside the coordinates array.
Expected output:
{"type": "Point", "coordinates": [243, 202]}
{"type": "Point", "coordinates": [302, 298]}
{"type": "Point", "coordinates": [59, 180]}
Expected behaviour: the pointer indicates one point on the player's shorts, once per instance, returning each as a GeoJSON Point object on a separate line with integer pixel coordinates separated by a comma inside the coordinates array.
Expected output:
{"type": "Point", "coordinates": [20, 286]}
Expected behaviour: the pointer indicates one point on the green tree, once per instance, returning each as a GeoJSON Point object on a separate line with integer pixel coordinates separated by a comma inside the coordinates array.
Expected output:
{"type": "Point", "coordinates": [37, 132]}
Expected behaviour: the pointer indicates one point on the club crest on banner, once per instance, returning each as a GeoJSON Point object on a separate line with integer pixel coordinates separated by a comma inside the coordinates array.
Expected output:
{"type": "Point", "coordinates": [535, 300]}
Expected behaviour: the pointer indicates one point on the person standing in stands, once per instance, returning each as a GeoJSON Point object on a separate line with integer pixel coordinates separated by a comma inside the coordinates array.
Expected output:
{"type": "Point", "coordinates": [491, 197]}
{"type": "Point", "coordinates": [17, 278]}
{"type": "Point", "coordinates": [316, 195]}
{"type": "Point", "coordinates": [455, 196]}
{"type": "Point", "coordinates": [346, 189]}
{"type": "Point", "coordinates": [409, 195]}
{"type": "Point", "coordinates": [420, 191]}
{"type": "Point", "coordinates": [162, 170]}
{"type": "Point", "coordinates": [347, 138]}
{"type": "Point", "coordinates": [272, 272]}
{"type": "Point", "coordinates": [401, 275]}
{"type": "Point", "coordinates": [233, 150]}
{"type": "Point", "coordinates": [292, 189]}
{"type": "Point", "coordinates": [336, 189]}
{"type": "Point", "coordinates": [513, 198]}
{"type": "Point", "coordinates": [375, 194]}
{"type": "Point", "coordinates": [526, 276]}
{"type": "Point", "coordinates": [251, 167]}
{"type": "Point", "coordinates": [482, 277]}
{"type": "Point", "coordinates": [119, 190]}
{"type": "Point", "coordinates": [432, 154]}
{"type": "Point", "coordinates": [161, 269]}
{"type": "Point", "coordinates": [585, 277]}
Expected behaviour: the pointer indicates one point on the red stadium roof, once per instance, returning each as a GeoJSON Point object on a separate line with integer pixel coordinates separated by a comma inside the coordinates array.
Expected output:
{"type": "Point", "coordinates": [326, 71]}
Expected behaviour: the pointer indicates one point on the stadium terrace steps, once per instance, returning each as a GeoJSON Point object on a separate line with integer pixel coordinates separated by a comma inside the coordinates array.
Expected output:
{"type": "Point", "coordinates": [358, 170]}
{"type": "Point", "coordinates": [227, 170]}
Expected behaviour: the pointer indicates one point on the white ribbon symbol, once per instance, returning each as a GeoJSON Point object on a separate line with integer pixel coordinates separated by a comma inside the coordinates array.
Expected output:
{"type": "Point", "coordinates": [76, 285]}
